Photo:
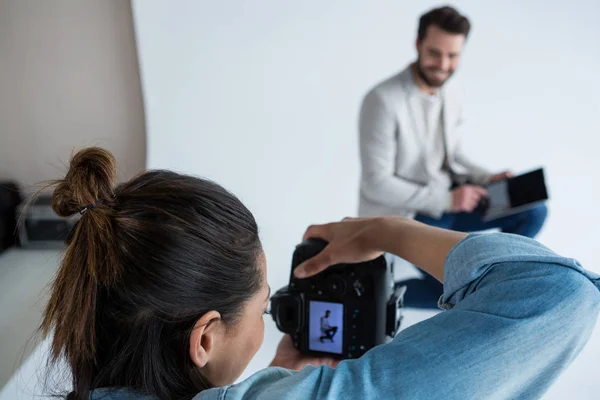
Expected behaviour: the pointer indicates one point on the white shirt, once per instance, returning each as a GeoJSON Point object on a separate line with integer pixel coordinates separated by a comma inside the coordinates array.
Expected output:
{"type": "Point", "coordinates": [430, 122]}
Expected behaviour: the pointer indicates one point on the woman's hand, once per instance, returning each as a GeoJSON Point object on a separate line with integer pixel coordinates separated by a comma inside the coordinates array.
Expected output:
{"type": "Point", "coordinates": [350, 241]}
{"type": "Point", "coordinates": [287, 356]}
{"type": "Point", "coordinates": [355, 240]}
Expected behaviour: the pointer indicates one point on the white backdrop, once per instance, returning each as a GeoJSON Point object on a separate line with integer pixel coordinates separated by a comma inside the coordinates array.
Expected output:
{"type": "Point", "coordinates": [263, 97]}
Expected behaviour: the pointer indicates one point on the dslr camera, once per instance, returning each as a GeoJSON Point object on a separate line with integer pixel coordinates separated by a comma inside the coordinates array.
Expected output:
{"type": "Point", "coordinates": [343, 311]}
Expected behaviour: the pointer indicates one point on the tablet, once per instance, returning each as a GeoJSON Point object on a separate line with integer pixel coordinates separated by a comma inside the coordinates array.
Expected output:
{"type": "Point", "coordinates": [515, 194]}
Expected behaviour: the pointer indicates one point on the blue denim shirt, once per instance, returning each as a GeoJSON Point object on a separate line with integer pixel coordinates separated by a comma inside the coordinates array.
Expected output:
{"type": "Point", "coordinates": [517, 315]}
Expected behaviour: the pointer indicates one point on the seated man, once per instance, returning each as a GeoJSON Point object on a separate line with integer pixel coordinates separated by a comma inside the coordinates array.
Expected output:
{"type": "Point", "coordinates": [413, 160]}
{"type": "Point", "coordinates": [326, 329]}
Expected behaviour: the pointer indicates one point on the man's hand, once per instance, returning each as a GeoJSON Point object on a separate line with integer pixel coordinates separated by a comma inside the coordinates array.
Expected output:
{"type": "Point", "coordinates": [287, 356]}
{"type": "Point", "coordinates": [466, 197]}
{"type": "Point", "coordinates": [501, 176]}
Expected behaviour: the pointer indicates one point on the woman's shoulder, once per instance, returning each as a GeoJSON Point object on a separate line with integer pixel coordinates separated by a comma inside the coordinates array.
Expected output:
{"type": "Point", "coordinates": [249, 388]}
{"type": "Point", "coordinates": [118, 394]}
{"type": "Point", "coordinates": [263, 385]}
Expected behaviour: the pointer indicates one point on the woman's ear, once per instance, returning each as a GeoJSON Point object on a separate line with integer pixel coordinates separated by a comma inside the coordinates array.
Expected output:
{"type": "Point", "coordinates": [203, 338]}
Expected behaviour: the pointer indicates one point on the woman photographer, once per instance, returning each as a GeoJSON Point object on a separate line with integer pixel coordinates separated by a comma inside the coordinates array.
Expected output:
{"type": "Point", "coordinates": [162, 290]}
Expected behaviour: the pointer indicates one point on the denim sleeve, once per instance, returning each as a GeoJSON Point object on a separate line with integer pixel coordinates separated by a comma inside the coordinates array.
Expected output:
{"type": "Point", "coordinates": [517, 315]}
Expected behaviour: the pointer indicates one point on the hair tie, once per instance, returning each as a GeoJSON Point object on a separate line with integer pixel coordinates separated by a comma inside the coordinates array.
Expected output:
{"type": "Point", "coordinates": [83, 210]}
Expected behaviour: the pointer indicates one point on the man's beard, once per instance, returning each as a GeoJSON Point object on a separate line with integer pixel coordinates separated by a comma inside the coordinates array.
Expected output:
{"type": "Point", "coordinates": [429, 82]}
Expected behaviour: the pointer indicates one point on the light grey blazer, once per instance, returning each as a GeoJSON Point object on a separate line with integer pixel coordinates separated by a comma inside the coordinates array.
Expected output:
{"type": "Point", "coordinates": [394, 176]}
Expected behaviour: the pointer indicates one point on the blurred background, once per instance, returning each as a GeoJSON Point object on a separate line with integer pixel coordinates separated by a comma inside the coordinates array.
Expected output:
{"type": "Point", "coordinates": [263, 97]}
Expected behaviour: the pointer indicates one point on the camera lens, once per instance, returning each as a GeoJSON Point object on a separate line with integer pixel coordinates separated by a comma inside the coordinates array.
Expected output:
{"type": "Point", "coordinates": [336, 285]}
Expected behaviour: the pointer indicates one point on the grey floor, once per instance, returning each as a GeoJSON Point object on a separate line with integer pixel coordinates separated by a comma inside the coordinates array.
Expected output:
{"type": "Point", "coordinates": [24, 275]}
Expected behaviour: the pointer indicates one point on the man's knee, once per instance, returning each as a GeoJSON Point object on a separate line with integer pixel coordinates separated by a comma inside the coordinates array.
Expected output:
{"type": "Point", "coordinates": [533, 220]}
{"type": "Point", "coordinates": [538, 214]}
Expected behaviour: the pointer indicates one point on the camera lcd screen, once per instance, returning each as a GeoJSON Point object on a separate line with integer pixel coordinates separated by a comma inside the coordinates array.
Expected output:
{"type": "Point", "coordinates": [326, 327]}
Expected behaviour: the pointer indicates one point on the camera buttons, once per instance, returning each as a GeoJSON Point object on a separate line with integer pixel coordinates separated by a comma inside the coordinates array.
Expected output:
{"type": "Point", "coordinates": [336, 285]}
{"type": "Point", "coordinates": [359, 288]}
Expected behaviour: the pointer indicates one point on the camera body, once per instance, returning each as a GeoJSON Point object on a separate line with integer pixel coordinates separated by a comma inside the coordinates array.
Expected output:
{"type": "Point", "coordinates": [343, 311]}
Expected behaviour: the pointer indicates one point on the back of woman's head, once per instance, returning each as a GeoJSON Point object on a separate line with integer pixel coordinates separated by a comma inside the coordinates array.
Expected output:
{"type": "Point", "coordinates": [142, 265]}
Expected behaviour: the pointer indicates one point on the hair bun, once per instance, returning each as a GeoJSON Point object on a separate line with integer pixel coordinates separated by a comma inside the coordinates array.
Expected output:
{"type": "Point", "coordinates": [91, 177]}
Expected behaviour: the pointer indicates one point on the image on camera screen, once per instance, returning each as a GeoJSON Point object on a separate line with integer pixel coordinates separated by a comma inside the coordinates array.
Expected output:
{"type": "Point", "coordinates": [326, 326]}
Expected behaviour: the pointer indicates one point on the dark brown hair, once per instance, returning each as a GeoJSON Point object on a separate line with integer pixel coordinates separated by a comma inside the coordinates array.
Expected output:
{"type": "Point", "coordinates": [140, 269]}
{"type": "Point", "coordinates": [447, 19]}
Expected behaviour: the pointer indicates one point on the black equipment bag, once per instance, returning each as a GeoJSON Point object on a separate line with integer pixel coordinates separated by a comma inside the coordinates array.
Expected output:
{"type": "Point", "coordinates": [9, 200]}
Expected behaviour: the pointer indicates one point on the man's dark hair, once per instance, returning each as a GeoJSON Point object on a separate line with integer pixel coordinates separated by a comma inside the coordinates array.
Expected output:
{"type": "Point", "coordinates": [447, 19]}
